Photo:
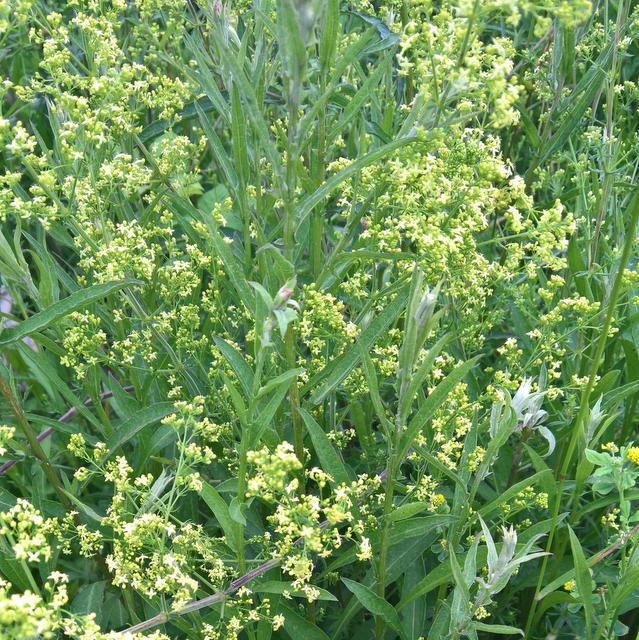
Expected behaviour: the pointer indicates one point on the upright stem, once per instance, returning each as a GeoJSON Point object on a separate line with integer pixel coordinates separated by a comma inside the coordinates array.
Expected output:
{"type": "Point", "coordinates": [289, 253]}
{"type": "Point", "coordinates": [241, 493]}
{"type": "Point", "coordinates": [243, 453]}
{"type": "Point", "coordinates": [608, 156]}
{"type": "Point", "coordinates": [383, 546]}
{"type": "Point", "coordinates": [410, 82]}
{"type": "Point", "coordinates": [317, 219]}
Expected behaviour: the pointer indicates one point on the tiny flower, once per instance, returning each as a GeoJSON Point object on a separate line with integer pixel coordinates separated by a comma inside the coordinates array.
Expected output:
{"type": "Point", "coordinates": [365, 552]}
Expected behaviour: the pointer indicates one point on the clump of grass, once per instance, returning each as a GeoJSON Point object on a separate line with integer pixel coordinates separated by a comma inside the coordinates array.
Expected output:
{"type": "Point", "coordinates": [317, 319]}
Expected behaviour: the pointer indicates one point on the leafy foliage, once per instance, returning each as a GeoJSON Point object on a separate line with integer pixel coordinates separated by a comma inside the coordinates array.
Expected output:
{"type": "Point", "coordinates": [318, 319]}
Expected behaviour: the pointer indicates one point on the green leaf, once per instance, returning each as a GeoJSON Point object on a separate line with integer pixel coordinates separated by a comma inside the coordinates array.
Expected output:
{"type": "Point", "coordinates": [238, 128]}
{"type": "Point", "coordinates": [417, 377]}
{"type": "Point", "coordinates": [312, 200]}
{"type": "Point", "coordinates": [328, 40]}
{"type": "Point", "coordinates": [290, 41]}
{"type": "Point", "coordinates": [433, 402]}
{"type": "Point", "coordinates": [138, 421]}
{"type": "Point", "coordinates": [84, 508]}
{"type": "Point", "coordinates": [417, 527]}
{"type": "Point", "coordinates": [185, 210]}
{"type": "Point", "coordinates": [62, 308]}
{"type": "Point", "coordinates": [340, 367]}
{"type": "Point", "coordinates": [298, 627]}
{"type": "Point", "coordinates": [583, 579]}
{"type": "Point", "coordinates": [275, 586]}
{"type": "Point", "coordinates": [598, 458]}
{"type": "Point", "coordinates": [243, 372]}
{"type": "Point", "coordinates": [283, 379]}
{"type": "Point", "coordinates": [373, 391]}
{"type": "Point", "coordinates": [499, 629]}
{"type": "Point", "coordinates": [236, 511]}
{"type": "Point", "coordinates": [266, 414]}
{"type": "Point", "coordinates": [219, 153]}
{"type": "Point", "coordinates": [573, 117]}
{"type": "Point", "coordinates": [376, 605]}
{"type": "Point", "coordinates": [328, 457]}
{"type": "Point", "coordinates": [511, 492]}
{"type": "Point", "coordinates": [407, 511]}
{"type": "Point", "coordinates": [461, 596]}
{"type": "Point", "coordinates": [220, 510]}
{"type": "Point", "coordinates": [15, 572]}
{"type": "Point", "coordinates": [89, 599]}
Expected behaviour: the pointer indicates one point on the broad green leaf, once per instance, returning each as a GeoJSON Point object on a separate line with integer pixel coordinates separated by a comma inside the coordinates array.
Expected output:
{"type": "Point", "coordinates": [400, 558]}
{"type": "Point", "coordinates": [435, 463]}
{"type": "Point", "coordinates": [328, 39]}
{"type": "Point", "coordinates": [15, 572]}
{"type": "Point", "coordinates": [373, 391]}
{"type": "Point", "coordinates": [356, 103]}
{"type": "Point", "coordinates": [243, 372]}
{"type": "Point", "coordinates": [414, 615]}
{"type": "Point", "coordinates": [439, 575]}
{"type": "Point", "coordinates": [291, 44]}
{"type": "Point", "coordinates": [417, 377]}
{"type": "Point", "coordinates": [310, 202]}
{"type": "Point", "coordinates": [266, 413]}
{"type": "Point", "coordinates": [89, 599]}
{"type": "Point", "coordinates": [499, 629]}
{"type": "Point", "coordinates": [238, 127]}
{"type": "Point", "coordinates": [407, 511]}
{"type": "Point", "coordinates": [511, 492]}
{"type": "Point", "coordinates": [39, 362]}
{"type": "Point", "coordinates": [220, 154]}
{"type": "Point", "coordinates": [84, 508]}
{"type": "Point", "coordinates": [284, 378]}
{"type": "Point", "coordinates": [185, 210]}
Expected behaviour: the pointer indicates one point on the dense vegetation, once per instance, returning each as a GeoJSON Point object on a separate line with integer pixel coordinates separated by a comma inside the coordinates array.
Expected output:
{"type": "Point", "coordinates": [319, 319]}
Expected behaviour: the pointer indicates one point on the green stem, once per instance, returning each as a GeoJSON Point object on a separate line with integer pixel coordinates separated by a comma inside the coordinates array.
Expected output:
{"type": "Point", "coordinates": [317, 219]}
{"type": "Point", "coordinates": [383, 545]}
{"type": "Point", "coordinates": [410, 82]}
{"type": "Point", "coordinates": [241, 493]}
{"type": "Point", "coordinates": [289, 253]}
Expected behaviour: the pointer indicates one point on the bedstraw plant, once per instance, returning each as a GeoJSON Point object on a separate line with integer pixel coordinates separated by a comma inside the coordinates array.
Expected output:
{"type": "Point", "coordinates": [319, 319]}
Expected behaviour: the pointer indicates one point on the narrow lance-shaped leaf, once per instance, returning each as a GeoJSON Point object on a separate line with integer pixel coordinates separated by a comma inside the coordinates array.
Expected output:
{"type": "Point", "coordinates": [339, 368]}
{"type": "Point", "coordinates": [220, 510]}
{"type": "Point", "coordinates": [138, 421]}
{"type": "Point", "coordinates": [309, 203]}
{"type": "Point", "coordinates": [329, 458]}
{"type": "Point", "coordinates": [583, 580]}
{"type": "Point", "coordinates": [433, 402]}
{"type": "Point", "coordinates": [376, 605]}
{"type": "Point", "coordinates": [243, 372]}
{"type": "Point", "coordinates": [62, 308]}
